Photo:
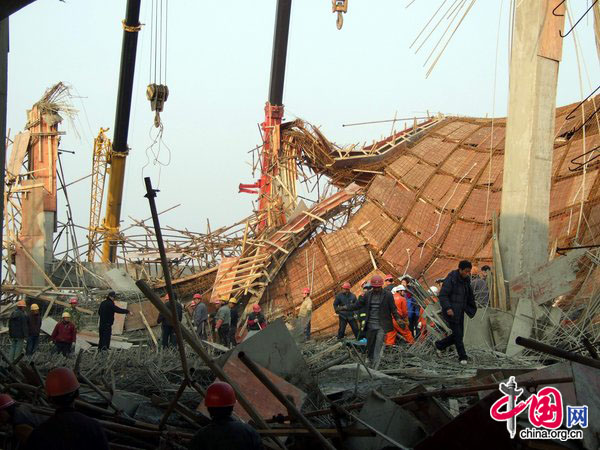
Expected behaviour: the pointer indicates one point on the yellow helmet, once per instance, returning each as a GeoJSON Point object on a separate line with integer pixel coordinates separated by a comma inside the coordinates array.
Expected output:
{"type": "Point", "coordinates": [66, 315]}
{"type": "Point", "coordinates": [233, 300]}
{"type": "Point", "coordinates": [35, 307]}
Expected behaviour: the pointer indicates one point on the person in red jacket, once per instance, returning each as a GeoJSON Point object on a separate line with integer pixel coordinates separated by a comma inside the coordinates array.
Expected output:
{"type": "Point", "coordinates": [402, 327]}
{"type": "Point", "coordinates": [64, 335]}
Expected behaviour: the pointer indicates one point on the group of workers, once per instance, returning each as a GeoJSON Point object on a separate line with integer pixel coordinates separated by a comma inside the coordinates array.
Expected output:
{"type": "Point", "coordinates": [69, 429]}
{"type": "Point", "coordinates": [386, 313]}
{"type": "Point", "coordinates": [24, 327]}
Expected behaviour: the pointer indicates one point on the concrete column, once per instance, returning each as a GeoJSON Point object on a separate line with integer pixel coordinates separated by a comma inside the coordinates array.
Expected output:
{"type": "Point", "coordinates": [536, 52]}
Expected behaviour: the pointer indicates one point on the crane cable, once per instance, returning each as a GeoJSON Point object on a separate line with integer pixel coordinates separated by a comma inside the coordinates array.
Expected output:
{"type": "Point", "coordinates": [157, 92]}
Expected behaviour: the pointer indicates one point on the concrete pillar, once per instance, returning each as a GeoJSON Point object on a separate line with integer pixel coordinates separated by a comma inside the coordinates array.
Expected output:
{"type": "Point", "coordinates": [536, 52]}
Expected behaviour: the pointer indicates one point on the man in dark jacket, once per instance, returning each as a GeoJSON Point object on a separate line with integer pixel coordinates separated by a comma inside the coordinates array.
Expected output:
{"type": "Point", "coordinates": [169, 338]}
{"type": "Point", "coordinates": [380, 311]}
{"type": "Point", "coordinates": [224, 432]}
{"type": "Point", "coordinates": [200, 317]}
{"type": "Point", "coordinates": [456, 298]}
{"type": "Point", "coordinates": [345, 299]}
{"type": "Point", "coordinates": [67, 429]}
{"type": "Point", "coordinates": [34, 325]}
{"type": "Point", "coordinates": [18, 330]}
{"type": "Point", "coordinates": [235, 318]}
{"type": "Point", "coordinates": [107, 311]}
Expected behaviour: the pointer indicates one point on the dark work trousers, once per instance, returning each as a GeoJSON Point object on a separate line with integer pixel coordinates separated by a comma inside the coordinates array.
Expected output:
{"type": "Point", "coordinates": [457, 325]}
{"type": "Point", "coordinates": [232, 332]}
{"type": "Point", "coordinates": [32, 343]}
{"type": "Point", "coordinates": [201, 330]}
{"type": "Point", "coordinates": [342, 329]}
{"type": "Point", "coordinates": [307, 331]}
{"type": "Point", "coordinates": [104, 334]}
{"type": "Point", "coordinates": [413, 322]}
{"type": "Point", "coordinates": [64, 348]}
{"type": "Point", "coordinates": [169, 338]}
{"type": "Point", "coordinates": [375, 340]}
{"type": "Point", "coordinates": [224, 335]}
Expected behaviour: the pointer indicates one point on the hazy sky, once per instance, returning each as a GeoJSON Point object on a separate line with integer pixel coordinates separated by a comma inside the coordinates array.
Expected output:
{"type": "Point", "coordinates": [219, 55]}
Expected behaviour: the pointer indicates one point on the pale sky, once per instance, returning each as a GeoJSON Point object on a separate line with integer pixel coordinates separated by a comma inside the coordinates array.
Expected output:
{"type": "Point", "coordinates": [219, 55]}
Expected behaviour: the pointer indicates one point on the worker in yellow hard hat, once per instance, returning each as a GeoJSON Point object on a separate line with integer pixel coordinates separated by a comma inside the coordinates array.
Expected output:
{"type": "Point", "coordinates": [34, 322]}
{"type": "Point", "coordinates": [235, 317]}
{"type": "Point", "coordinates": [64, 335]}
{"type": "Point", "coordinates": [17, 330]}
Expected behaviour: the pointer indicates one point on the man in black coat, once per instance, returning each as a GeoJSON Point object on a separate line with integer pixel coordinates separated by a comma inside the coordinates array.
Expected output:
{"type": "Point", "coordinates": [456, 298]}
{"type": "Point", "coordinates": [380, 308]}
{"type": "Point", "coordinates": [345, 299]}
{"type": "Point", "coordinates": [169, 338]}
{"type": "Point", "coordinates": [107, 311]}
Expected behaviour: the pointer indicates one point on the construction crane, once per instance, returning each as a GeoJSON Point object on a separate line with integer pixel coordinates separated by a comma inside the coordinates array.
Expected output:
{"type": "Point", "coordinates": [100, 162]}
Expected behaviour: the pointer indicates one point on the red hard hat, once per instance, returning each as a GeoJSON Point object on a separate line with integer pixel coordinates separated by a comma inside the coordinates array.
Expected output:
{"type": "Point", "coordinates": [61, 381]}
{"type": "Point", "coordinates": [306, 291]}
{"type": "Point", "coordinates": [219, 395]}
{"type": "Point", "coordinates": [389, 277]}
{"type": "Point", "coordinates": [376, 281]}
{"type": "Point", "coordinates": [197, 296]}
{"type": "Point", "coordinates": [256, 307]}
{"type": "Point", "coordinates": [346, 285]}
{"type": "Point", "coordinates": [6, 401]}
{"type": "Point", "coordinates": [73, 300]}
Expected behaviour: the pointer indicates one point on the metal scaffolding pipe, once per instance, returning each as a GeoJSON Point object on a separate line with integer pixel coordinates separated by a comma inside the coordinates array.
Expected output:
{"type": "Point", "coordinates": [558, 352]}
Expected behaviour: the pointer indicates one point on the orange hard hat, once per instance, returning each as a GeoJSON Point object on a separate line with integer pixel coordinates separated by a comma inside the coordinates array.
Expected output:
{"type": "Point", "coordinates": [21, 303]}
{"type": "Point", "coordinates": [389, 278]}
{"type": "Point", "coordinates": [306, 291]}
{"type": "Point", "coordinates": [73, 300]}
{"type": "Point", "coordinates": [376, 281]}
{"type": "Point", "coordinates": [219, 395]}
{"type": "Point", "coordinates": [197, 296]}
{"type": "Point", "coordinates": [61, 381]}
{"type": "Point", "coordinates": [6, 401]}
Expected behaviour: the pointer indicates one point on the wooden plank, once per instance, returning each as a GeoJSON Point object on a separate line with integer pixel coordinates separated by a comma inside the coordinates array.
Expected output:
{"type": "Point", "coordinates": [227, 267]}
{"type": "Point", "coordinates": [135, 320]}
{"type": "Point", "coordinates": [119, 319]}
{"type": "Point", "coordinates": [18, 152]}
{"type": "Point", "coordinates": [551, 42]}
{"type": "Point", "coordinates": [150, 332]}
{"type": "Point", "coordinates": [549, 280]}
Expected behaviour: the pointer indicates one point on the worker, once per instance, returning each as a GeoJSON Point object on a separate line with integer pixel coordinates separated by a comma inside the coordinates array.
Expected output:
{"type": "Point", "coordinates": [480, 287]}
{"type": "Point", "coordinates": [345, 317]}
{"type": "Point", "coordinates": [75, 314]}
{"type": "Point", "coordinates": [64, 335]}
{"type": "Point", "coordinates": [67, 429]}
{"type": "Point", "coordinates": [381, 309]}
{"type": "Point", "coordinates": [223, 322]}
{"type": "Point", "coordinates": [34, 325]}
{"type": "Point", "coordinates": [200, 317]}
{"type": "Point", "coordinates": [361, 314]}
{"type": "Point", "coordinates": [107, 311]}
{"type": "Point", "coordinates": [413, 306]}
{"type": "Point", "coordinates": [389, 283]}
{"type": "Point", "coordinates": [255, 321]}
{"type": "Point", "coordinates": [224, 432]}
{"type": "Point", "coordinates": [456, 299]}
{"type": "Point", "coordinates": [168, 336]}
{"type": "Point", "coordinates": [235, 318]}
{"type": "Point", "coordinates": [401, 327]}
{"type": "Point", "coordinates": [19, 418]}
{"type": "Point", "coordinates": [305, 313]}
{"type": "Point", "coordinates": [18, 330]}
{"type": "Point", "coordinates": [423, 324]}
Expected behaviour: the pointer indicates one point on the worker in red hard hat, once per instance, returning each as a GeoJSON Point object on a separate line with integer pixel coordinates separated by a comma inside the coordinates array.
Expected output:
{"type": "Point", "coordinates": [67, 429]}
{"type": "Point", "coordinates": [34, 326]}
{"type": "Point", "coordinates": [18, 330]}
{"type": "Point", "coordinates": [200, 317]}
{"type": "Point", "coordinates": [381, 310]}
{"type": "Point", "coordinates": [345, 317]}
{"type": "Point", "coordinates": [75, 314]}
{"type": "Point", "coordinates": [224, 432]}
{"type": "Point", "coordinates": [64, 335]}
{"type": "Point", "coordinates": [20, 418]}
{"type": "Point", "coordinates": [305, 315]}
{"type": "Point", "coordinates": [255, 321]}
{"type": "Point", "coordinates": [388, 283]}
